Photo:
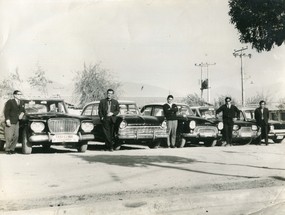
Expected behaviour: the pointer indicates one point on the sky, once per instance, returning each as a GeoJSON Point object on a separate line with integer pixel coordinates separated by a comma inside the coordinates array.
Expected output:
{"type": "Point", "coordinates": [151, 42]}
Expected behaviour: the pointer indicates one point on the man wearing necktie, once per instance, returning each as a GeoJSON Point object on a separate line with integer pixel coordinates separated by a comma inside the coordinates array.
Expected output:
{"type": "Point", "coordinates": [229, 113]}
{"type": "Point", "coordinates": [13, 112]}
{"type": "Point", "coordinates": [108, 110]}
{"type": "Point", "coordinates": [261, 115]}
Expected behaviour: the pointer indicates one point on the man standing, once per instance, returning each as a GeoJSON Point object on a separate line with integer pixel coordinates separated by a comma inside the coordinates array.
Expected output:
{"type": "Point", "coordinates": [229, 113]}
{"type": "Point", "coordinates": [170, 110]}
{"type": "Point", "coordinates": [13, 112]}
{"type": "Point", "coordinates": [108, 110]}
{"type": "Point", "coordinates": [261, 115]}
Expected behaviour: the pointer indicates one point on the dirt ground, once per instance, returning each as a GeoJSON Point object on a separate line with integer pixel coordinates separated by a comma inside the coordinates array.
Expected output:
{"type": "Point", "coordinates": [246, 179]}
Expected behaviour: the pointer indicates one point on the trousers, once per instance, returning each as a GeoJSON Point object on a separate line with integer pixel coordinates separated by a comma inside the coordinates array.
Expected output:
{"type": "Point", "coordinates": [11, 136]}
{"type": "Point", "coordinates": [171, 130]}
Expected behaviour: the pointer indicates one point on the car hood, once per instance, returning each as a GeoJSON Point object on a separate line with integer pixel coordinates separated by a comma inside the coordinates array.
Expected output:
{"type": "Point", "coordinates": [199, 120]}
{"type": "Point", "coordinates": [46, 116]}
{"type": "Point", "coordinates": [134, 119]}
{"type": "Point", "coordinates": [248, 123]}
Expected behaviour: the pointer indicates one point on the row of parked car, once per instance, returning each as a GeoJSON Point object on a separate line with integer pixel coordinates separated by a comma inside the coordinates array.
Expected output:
{"type": "Point", "coordinates": [47, 122]}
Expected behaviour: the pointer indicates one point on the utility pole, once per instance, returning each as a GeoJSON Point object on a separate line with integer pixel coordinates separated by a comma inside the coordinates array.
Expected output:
{"type": "Point", "coordinates": [201, 81]}
{"type": "Point", "coordinates": [241, 54]}
{"type": "Point", "coordinates": [208, 78]}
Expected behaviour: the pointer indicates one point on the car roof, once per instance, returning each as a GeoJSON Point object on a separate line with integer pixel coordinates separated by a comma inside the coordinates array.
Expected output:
{"type": "Point", "coordinates": [120, 102]}
{"type": "Point", "coordinates": [38, 99]}
{"type": "Point", "coordinates": [162, 103]}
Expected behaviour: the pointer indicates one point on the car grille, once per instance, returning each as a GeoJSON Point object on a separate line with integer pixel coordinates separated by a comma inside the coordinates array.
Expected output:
{"type": "Point", "coordinates": [245, 129]}
{"type": "Point", "coordinates": [63, 125]}
{"type": "Point", "coordinates": [279, 126]}
{"type": "Point", "coordinates": [208, 130]}
{"type": "Point", "coordinates": [143, 129]}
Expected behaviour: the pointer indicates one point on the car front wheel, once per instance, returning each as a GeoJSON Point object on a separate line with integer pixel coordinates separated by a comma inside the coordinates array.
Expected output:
{"type": "Point", "coordinates": [210, 143]}
{"type": "Point", "coordinates": [26, 145]}
{"type": "Point", "coordinates": [2, 143]}
{"type": "Point", "coordinates": [82, 147]}
{"type": "Point", "coordinates": [154, 144]}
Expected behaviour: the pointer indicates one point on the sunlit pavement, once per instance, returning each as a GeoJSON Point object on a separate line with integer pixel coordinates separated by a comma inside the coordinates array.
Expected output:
{"type": "Point", "coordinates": [136, 180]}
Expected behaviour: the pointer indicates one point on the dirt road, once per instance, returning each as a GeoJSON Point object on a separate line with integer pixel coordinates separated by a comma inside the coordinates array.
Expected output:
{"type": "Point", "coordinates": [196, 180]}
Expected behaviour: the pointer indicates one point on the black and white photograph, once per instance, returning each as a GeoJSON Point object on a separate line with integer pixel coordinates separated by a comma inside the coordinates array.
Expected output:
{"type": "Point", "coordinates": [142, 107]}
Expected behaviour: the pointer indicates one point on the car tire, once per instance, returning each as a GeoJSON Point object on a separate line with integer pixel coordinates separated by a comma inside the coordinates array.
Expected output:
{"type": "Point", "coordinates": [82, 147]}
{"type": "Point", "coordinates": [154, 144]}
{"type": "Point", "coordinates": [2, 144]}
{"type": "Point", "coordinates": [46, 147]}
{"type": "Point", "coordinates": [26, 145]}
{"type": "Point", "coordinates": [275, 140]}
{"type": "Point", "coordinates": [181, 142]}
{"type": "Point", "coordinates": [210, 143]}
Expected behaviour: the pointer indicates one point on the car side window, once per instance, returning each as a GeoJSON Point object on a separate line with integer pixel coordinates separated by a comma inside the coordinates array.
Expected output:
{"type": "Point", "coordinates": [158, 111]}
{"type": "Point", "coordinates": [95, 110]}
{"type": "Point", "coordinates": [147, 111]}
{"type": "Point", "coordinates": [87, 111]}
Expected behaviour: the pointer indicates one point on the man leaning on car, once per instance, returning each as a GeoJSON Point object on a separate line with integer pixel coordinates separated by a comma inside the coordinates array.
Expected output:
{"type": "Point", "coordinates": [229, 113]}
{"type": "Point", "coordinates": [13, 112]}
{"type": "Point", "coordinates": [170, 110]}
{"type": "Point", "coordinates": [261, 115]}
{"type": "Point", "coordinates": [108, 110]}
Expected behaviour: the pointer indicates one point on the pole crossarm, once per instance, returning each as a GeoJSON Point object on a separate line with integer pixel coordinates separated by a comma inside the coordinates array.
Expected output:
{"type": "Point", "coordinates": [240, 53]}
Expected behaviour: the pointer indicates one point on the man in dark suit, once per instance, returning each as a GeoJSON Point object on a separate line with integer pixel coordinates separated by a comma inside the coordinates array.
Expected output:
{"type": "Point", "coordinates": [13, 112]}
{"type": "Point", "coordinates": [261, 115]}
{"type": "Point", "coordinates": [108, 110]}
{"type": "Point", "coordinates": [170, 110]}
{"type": "Point", "coordinates": [229, 113]}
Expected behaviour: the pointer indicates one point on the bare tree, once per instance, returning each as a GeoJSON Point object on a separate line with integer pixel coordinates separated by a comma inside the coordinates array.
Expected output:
{"type": "Point", "coordinates": [39, 80]}
{"type": "Point", "coordinates": [254, 100]}
{"type": "Point", "coordinates": [92, 83]}
{"type": "Point", "coordinates": [194, 100]}
{"type": "Point", "coordinates": [220, 100]}
{"type": "Point", "coordinates": [11, 83]}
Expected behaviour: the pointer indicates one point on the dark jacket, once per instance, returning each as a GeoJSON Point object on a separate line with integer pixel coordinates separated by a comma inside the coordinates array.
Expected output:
{"type": "Point", "coordinates": [103, 109]}
{"type": "Point", "coordinates": [258, 116]}
{"type": "Point", "coordinates": [170, 112]}
{"type": "Point", "coordinates": [228, 113]}
{"type": "Point", "coordinates": [12, 110]}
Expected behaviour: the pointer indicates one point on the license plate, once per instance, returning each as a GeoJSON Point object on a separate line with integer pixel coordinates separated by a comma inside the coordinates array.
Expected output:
{"type": "Point", "coordinates": [58, 138]}
{"type": "Point", "coordinates": [246, 135]}
{"type": "Point", "coordinates": [279, 137]}
{"type": "Point", "coordinates": [207, 134]}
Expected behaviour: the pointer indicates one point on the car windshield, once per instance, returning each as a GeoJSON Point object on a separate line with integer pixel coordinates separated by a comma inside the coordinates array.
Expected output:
{"type": "Point", "coordinates": [184, 110]}
{"type": "Point", "coordinates": [128, 109]}
{"type": "Point", "coordinates": [249, 114]}
{"type": "Point", "coordinates": [207, 113]}
{"type": "Point", "coordinates": [44, 106]}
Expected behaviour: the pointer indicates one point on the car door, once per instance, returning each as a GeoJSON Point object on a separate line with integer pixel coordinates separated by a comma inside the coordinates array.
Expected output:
{"type": "Point", "coordinates": [92, 112]}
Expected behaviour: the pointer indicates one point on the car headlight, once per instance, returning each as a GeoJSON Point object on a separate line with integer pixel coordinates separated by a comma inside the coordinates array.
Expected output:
{"type": "Point", "coordinates": [254, 127]}
{"type": "Point", "coordinates": [271, 127]}
{"type": "Point", "coordinates": [220, 125]}
{"type": "Point", "coordinates": [236, 127]}
{"type": "Point", "coordinates": [163, 124]}
{"type": "Point", "coordinates": [37, 126]}
{"type": "Point", "coordinates": [87, 126]}
{"type": "Point", "coordinates": [123, 124]}
{"type": "Point", "coordinates": [192, 124]}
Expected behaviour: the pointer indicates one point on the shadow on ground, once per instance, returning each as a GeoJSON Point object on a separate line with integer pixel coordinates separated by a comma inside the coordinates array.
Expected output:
{"type": "Point", "coordinates": [168, 162]}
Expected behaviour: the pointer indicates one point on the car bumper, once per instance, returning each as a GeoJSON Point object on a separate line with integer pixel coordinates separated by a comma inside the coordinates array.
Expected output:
{"type": "Point", "coordinates": [53, 138]}
{"type": "Point", "coordinates": [141, 136]}
{"type": "Point", "coordinates": [201, 136]}
{"type": "Point", "coordinates": [246, 135]}
{"type": "Point", "coordinates": [279, 134]}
